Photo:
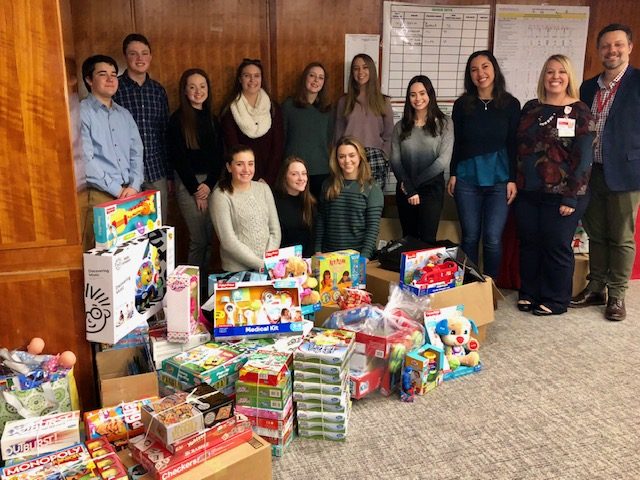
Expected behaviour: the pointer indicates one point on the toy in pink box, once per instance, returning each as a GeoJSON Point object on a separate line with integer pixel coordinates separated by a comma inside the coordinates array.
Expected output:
{"type": "Point", "coordinates": [183, 303]}
{"type": "Point", "coordinates": [124, 219]}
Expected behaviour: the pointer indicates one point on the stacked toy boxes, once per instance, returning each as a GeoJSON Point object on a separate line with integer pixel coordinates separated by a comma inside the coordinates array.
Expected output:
{"type": "Point", "coordinates": [320, 386]}
{"type": "Point", "coordinates": [186, 429]}
{"type": "Point", "coordinates": [126, 284]}
{"type": "Point", "coordinates": [263, 394]}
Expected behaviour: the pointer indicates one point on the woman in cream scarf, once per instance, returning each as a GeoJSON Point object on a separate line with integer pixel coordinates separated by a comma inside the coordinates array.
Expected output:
{"type": "Point", "coordinates": [251, 118]}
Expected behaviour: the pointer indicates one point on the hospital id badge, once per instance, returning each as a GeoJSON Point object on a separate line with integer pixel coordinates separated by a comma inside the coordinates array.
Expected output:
{"type": "Point", "coordinates": [566, 127]}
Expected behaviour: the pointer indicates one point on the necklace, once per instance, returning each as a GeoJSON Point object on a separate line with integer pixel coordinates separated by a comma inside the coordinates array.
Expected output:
{"type": "Point", "coordinates": [543, 123]}
{"type": "Point", "coordinates": [486, 102]}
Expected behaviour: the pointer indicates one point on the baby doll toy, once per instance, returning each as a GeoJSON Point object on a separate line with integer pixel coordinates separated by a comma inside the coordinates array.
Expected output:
{"type": "Point", "coordinates": [459, 347]}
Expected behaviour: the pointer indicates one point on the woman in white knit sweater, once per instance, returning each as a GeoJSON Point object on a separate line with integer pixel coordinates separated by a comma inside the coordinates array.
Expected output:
{"type": "Point", "coordinates": [243, 213]}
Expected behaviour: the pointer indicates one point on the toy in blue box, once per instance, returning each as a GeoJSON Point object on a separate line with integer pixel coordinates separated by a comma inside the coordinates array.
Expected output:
{"type": "Point", "coordinates": [124, 219]}
{"type": "Point", "coordinates": [423, 272]}
{"type": "Point", "coordinates": [425, 367]}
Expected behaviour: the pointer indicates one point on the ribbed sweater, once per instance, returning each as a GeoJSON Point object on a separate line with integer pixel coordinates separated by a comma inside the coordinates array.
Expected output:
{"type": "Point", "coordinates": [246, 224]}
{"type": "Point", "coordinates": [351, 221]}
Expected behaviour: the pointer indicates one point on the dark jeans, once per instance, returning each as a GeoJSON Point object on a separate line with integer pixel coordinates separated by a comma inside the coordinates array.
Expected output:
{"type": "Point", "coordinates": [546, 254]}
{"type": "Point", "coordinates": [483, 213]}
{"type": "Point", "coordinates": [421, 221]}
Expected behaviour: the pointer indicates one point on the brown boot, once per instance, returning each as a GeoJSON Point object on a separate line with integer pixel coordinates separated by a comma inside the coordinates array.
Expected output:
{"type": "Point", "coordinates": [615, 310]}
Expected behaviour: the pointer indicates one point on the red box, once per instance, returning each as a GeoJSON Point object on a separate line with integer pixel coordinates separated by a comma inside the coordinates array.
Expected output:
{"type": "Point", "coordinates": [362, 384]}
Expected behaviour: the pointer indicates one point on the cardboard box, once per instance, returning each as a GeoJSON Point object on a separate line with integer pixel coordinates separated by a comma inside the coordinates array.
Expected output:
{"type": "Point", "coordinates": [580, 273]}
{"type": "Point", "coordinates": [183, 303]}
{"type": "Point", "coordinates": [390, 229]}
{"type": "Point", "coordinates": [251, 459]}
{"type": "Point", "coordinates": [124, 219]}
{"type": "Point", "coordinates": [125, 286]}
{"type": "Point", "coordinates": [116, 384]}
{"type": "Point", "coordinates": [480, 299]}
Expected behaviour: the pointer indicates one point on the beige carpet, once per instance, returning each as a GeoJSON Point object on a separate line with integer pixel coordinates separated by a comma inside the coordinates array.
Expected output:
{"type": "Point", "coordinates": [558, 399]}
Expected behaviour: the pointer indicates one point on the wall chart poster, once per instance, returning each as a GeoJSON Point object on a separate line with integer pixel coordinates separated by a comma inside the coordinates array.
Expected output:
{"type": "Point", "coordinates": [526, 35]}
{"type": "Point", "coordinates": [431, 40]}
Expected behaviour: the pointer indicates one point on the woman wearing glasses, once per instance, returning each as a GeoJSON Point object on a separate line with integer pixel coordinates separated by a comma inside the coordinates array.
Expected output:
{"type": "Point", "coordinates": [251, 118]}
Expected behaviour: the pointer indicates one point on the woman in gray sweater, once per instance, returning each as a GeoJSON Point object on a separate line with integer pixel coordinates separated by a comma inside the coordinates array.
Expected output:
{"type": "Point", "coordinates": [421, 147]}
{"type": "Point", "coordinates": [243, 214]}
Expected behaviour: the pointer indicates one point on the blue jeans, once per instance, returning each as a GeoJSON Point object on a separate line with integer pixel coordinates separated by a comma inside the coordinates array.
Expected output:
{"type": "Point", "coordinates": [483, 213]}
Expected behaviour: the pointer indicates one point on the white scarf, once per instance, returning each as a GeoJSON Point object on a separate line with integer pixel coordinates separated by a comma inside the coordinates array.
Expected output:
{"type": "Point", "coordinates": [254, 122]}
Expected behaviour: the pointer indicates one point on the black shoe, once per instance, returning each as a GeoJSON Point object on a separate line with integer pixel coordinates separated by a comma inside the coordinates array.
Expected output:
{"type": "Point", "coordinates": [543, 311]}
{"type": "Point", "coordinates": [524, 305]}
{"type": "Point", "coordinates": [587, 298]}
{"type": "Point", "coordinates": [615, 310]}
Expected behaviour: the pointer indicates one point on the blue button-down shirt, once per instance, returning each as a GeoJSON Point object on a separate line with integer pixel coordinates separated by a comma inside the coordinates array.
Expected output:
{"type": "Point", "coordinates": [111, 145]}
{"type": "Point", "coordinates": [149, 106]}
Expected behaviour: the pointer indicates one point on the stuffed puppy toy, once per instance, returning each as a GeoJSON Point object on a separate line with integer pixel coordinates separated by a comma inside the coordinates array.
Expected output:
{"type": "Point", "coordinates": [460, 347]}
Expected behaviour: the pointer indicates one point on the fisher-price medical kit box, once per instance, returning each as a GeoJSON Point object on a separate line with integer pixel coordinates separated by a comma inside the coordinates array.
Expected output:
{"type": "Point", "coordinates": [126, 285]}
{"type": "Point", "coordinates": [183, 303]}
{"type": "Point", "coordinates": [256, 309]}
{"type": "Point", "coordinates": [423, 272]}
{"type": "Point", "coordinates": [124, 219]}
{"type": "Point", "coordinates": [336, 271]}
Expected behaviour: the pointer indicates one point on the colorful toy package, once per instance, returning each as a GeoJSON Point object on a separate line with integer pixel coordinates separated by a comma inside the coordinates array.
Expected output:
{"type": "Point", "coordinates": [257, 309]}
{"type": "Point", "coordinates": [124, 219]}
{"type": "Point", "coordinates": [336, 271]}
{"type": "Point", "coordinates": [117, 424]}
{"type": "Point", "coordinates": [426, 365]}
{"type": "Point", "coordinates": [266, 368]}
{"type": "Point", "coordinates": [59, 465]}
{"type": "Point", "coordinates": [183, 303]}
{"type": "Point", "coordinates": [126, 285]}
{"type": "Point", "coordinates": [326, 346]}
{"type": "Point", "coordinates": [35, 436]}
{"type": "Point", "coordinates": [423, 272]}
{"type": "Point", "coordinates": [107, 462]}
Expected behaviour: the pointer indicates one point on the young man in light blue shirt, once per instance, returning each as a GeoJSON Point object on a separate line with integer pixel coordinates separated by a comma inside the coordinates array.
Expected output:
{"type": "Point", "coordinates": [111, 144]}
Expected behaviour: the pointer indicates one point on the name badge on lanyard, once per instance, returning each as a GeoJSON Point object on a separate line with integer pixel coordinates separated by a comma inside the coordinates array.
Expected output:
{"type": "Point", "coordinates": [566, 126]}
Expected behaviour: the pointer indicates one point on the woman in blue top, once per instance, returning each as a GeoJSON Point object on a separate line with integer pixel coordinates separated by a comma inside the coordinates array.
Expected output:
{"type": "Point", "coordinates": [483, 165]}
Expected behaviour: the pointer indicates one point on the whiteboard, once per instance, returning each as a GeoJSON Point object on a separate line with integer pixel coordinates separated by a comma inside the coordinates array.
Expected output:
{"type": "Point", "coordinates": [431, 40]}
{"type": "Point", "coordinates": [526, 35]}
{"type": "Point", "coordinates": [359, 43]}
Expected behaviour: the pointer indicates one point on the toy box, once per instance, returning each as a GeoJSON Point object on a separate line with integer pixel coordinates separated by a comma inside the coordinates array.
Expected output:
{"type": "Point", "coordinates": [266, 369]}
{"type": "Point", "coordinates": [117, 424]}
{"type": "Point", "coordinates": [257, 309]}
{"type": "Point", "coordinates": [177, 416]}
{"type": "Point", "coordinates": [126, 285]}
{"type": "Point", "coordinates": [124, 219]}
{"type": "Point", "coordinates": [207, 363]}
{"type": "Point", "coordinates": [107, 463]}
{"type": "Point", "coordinates": [39, 435]}
{"type": "Point", "coordinates": [362, 383]}
{"type": "Point", "coordinates": [423, 272]}
{"type": "Point", "coordinates": [72, 460]}
{"type": "Point", "coordinates": [336, 271]}
{"type": "Point", "coordinates": [268, 413]}
{"type": "Point", "coordinates": [183, 303]}
{"type": "Point", "coordinates": [326, 346]}
{"type": "Point", "coordinates": [234, 277]}
{"type": "Point", "coordinates": [426, 366]}
{"type": "Point", "coordinates": [210, 437]}
{"type": "Point", "coordinates": [306, 376]}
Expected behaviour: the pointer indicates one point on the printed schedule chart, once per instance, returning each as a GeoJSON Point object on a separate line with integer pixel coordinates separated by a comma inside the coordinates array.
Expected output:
{"type": "Point", "coordinates": [431, 40]}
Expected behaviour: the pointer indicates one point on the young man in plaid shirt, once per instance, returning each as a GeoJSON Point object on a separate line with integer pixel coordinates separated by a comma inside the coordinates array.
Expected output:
{"type": "Point", "coordinates": [147, 101]}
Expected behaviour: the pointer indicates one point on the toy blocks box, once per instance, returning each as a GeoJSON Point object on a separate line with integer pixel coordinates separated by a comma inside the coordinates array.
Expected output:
{"type": "Point", "coordinates": [183, 303]}
{"type": "Point", "coordinates": [256, 309]}
{"type": "Point", "coordinates": [426, 366]}
{"type": "Point", "coordinates": [336, 271]}
{"type": "Point", "coordinates": [35, 436]}
{"type": "Point", "coordinates": [126, 285]}
{"type": "Point", "coordinates": [124, 219]}
{"type": "Point", "coordinates": [423, 272]}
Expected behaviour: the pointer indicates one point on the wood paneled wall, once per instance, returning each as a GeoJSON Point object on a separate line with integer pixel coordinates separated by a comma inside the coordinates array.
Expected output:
{"type": "Point", "coordinates": [40, 252]}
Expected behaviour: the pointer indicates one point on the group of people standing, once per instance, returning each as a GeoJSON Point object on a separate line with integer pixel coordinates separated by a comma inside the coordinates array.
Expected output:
{"type": "Point", "coordinates": [327, 166]}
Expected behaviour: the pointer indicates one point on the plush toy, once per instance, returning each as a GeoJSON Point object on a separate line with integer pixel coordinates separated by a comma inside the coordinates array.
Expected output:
{"type": "Point", "coordinates": [309, 293]}
{"type": "Point", "coordinates": [296, 267]}
{"type": "Point", "coordinates": [460, 347]}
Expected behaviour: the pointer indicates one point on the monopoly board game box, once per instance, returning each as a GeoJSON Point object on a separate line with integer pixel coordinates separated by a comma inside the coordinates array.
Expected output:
{"type": "Point", "coordinates": [124, 219]}
{"type": "Point", "coordinates": [256, 309]}
{"type": "Point", "coordinates": [126, 285]}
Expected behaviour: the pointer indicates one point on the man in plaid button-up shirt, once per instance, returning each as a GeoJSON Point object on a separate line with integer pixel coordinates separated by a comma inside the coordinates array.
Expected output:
{"type": "Point", "coordinates": [147, 101]}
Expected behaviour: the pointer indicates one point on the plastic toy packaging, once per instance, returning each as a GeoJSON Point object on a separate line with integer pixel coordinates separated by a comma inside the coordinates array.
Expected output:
{"type": "Point", "coordinates": [406, 304]}
{"type": "Point", "coordinates": [352, 298]}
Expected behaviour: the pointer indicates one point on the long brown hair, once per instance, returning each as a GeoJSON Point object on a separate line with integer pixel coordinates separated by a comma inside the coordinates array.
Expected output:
{"type": "Point", "coordinates": [300, 99]}
{"type": "Point", "coordinates": [225, 175]}
{"type": "Point", "coordinates": [336, 179]}
{"type": "Point", "coordinates": [308, 200]}
{"type": "Point", "coordinates": [236, 91]}
{"type": "Point", "coordinates": [376, 102]}
{"type": "Point", "coordinates": [187, 114]}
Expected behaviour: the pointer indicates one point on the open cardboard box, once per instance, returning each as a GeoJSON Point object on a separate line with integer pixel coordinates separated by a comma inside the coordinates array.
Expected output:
{"type": "Point", "coordinates": [480, 299]}
{"type": "Point", "coordinates": [251, 460]}
{"type": "Point", "coordinates": [115, 383]}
